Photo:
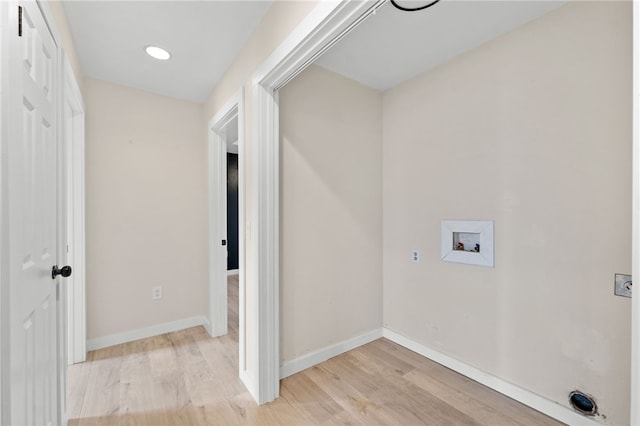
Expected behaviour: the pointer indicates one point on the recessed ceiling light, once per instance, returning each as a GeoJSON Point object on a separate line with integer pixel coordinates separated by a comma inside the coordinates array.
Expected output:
{"type": "Point", "coordinates": [157, 52]}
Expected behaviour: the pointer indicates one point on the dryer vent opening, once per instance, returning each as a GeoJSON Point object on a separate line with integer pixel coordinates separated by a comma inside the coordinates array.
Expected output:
{"type": "Point", "coordinates": [583, 403]}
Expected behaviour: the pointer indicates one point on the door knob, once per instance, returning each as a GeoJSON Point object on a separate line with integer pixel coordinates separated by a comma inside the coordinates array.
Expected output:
{"type": "Point", "coordinates": [65, 271]}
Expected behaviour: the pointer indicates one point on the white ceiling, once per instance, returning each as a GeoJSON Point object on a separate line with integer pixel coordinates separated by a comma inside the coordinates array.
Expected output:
{"type": "Point", "coordinates": [392, 46]}
{"type": "Point", "coordinates": [204, 38]}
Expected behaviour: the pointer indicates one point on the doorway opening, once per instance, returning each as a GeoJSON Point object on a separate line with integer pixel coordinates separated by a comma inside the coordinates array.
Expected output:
{"type": "Point", "coordinates": [233, 261]}
{"type": "Point", "coordinates": [227, 246]}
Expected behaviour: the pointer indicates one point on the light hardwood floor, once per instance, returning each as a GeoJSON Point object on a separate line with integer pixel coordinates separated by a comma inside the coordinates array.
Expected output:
{"type": "Point", "coordinates": [189, 378]}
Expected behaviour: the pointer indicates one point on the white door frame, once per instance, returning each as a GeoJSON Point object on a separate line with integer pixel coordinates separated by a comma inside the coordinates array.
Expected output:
{"type": "Point", "coordinates": [635, 267]}
{"type": "Point", "coordinates": [62, 233]}
{"type": "Point", "coordinates": [74, 141]}
{"type": "Point", "coordinates": [217, 165]}
{"type": "Point", "coordinates": [324, 26]}
{"type": "Point", "coordinates": [5, 376]}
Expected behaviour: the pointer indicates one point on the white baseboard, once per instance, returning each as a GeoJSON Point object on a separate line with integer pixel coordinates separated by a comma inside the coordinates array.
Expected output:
{"type": "Point", "coordinates": [292, 367]}
{"type": "Point", "coordinates": [233, 272]}
{"type": "Point", "coordinates": [550, 408]}
{"type": "Point", "coordinates": [142, 333]}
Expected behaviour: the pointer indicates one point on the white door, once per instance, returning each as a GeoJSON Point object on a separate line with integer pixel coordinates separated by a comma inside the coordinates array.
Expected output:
{"type": "Point", "coordinates": [33, 193]}
{"type": "Point", "coordinates": [218, 230]}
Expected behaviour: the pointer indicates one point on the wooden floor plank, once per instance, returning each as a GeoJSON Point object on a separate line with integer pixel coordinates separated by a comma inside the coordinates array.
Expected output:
{"type": "Point", "coordinates": [189, 378]}
{"type": "Point", "coordinates": [305, 395]}
{"type": "Point", "coordinates": [507, 406]}
{"type": "Point", "coordinates": [464, 401]}
{"type": "Point", "coordinates": [341, 390]}
{"type": "Point", "coordinates": [482, 413]}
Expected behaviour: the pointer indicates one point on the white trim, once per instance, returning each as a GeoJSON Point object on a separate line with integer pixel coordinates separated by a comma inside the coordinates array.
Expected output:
{"type": "Point", "coordinates": [242, 242]}
{"type": "Point", "coordinates": [234, 107]}
{"type": "Point", "coordinates": [265, 245]}
{"type": "Point", "coordinates": [233, 272]}
{"type": "Point", "coordinates": [322, 27]}
{"type": "Point", "coordinates": [217, 217]}
{"type": "Point", "coordinates": [75, 189]}
{"type": "Point", "coordinates": [635, 252]}
{"type": "Point", "coordinates": [62, 228]}
{"type": "Point", "coordinates": [550, 408]}
{"type": "Point", "coordinates": [143, 333]}
{"type": "Point", "coordinates": [292, 367]}
{"type": "Point", "coordinates": [5, 373]}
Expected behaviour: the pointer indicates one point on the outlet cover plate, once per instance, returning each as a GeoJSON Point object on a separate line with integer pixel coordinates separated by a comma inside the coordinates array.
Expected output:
{"type": "Point", "coordinates": [623, 285]}
{"type": "Point", "coordinates": [156, 293]}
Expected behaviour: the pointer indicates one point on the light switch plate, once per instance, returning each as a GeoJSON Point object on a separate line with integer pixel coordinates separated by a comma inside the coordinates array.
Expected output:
{"type": "Point", "coordinates": [623, 285]}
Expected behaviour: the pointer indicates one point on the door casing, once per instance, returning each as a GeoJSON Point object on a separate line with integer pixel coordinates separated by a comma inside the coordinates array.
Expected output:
{"type": "Point", "coordinates": [635, 252]}
{"type": "Point", "coordinates": [73, 115]}
{"type": "Point", "coordinates": [325, 25]}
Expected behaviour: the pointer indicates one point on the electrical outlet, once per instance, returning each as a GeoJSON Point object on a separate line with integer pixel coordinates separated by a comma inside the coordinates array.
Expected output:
{"type": "Point", "coordinates": [156, 293]}
{"type": "Point", "coordinates": [623, 285]}
{"type": "Point", "coordinates": [415, 256]}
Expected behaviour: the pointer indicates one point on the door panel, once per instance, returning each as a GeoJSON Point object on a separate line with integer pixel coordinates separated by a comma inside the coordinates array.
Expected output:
{"type": "Point", "coordinates": [33, 245]}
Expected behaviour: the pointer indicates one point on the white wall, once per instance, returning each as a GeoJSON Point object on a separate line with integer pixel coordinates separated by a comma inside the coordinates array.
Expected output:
{"type": "Point", "coordinates": [146, 209]}
{"type": "Point", "coordinates": [533, 131]}
{"type": "Point", "coordinates": [330, 211]}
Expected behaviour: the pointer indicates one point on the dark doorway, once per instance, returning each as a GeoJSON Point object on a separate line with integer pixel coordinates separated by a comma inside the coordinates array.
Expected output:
{"type": "Point", "coordinates": [232, 211]}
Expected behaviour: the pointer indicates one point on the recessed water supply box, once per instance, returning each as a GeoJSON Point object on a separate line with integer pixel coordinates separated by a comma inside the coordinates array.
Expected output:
{"type": "Point", "coordinates": [467, 241]}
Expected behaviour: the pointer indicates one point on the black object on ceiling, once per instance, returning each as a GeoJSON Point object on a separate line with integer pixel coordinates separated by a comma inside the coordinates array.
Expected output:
{"type": "Point", "coordinates": [413, 9]}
